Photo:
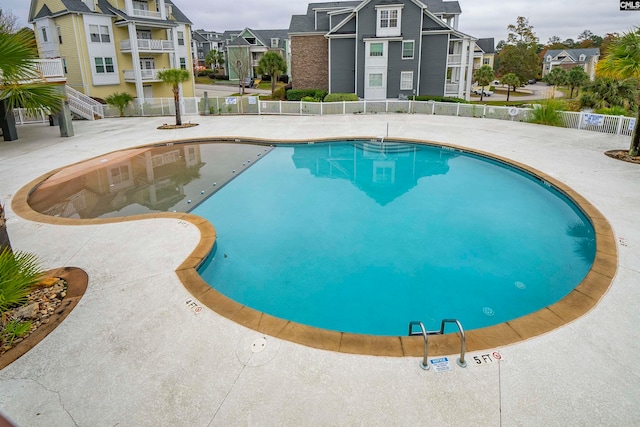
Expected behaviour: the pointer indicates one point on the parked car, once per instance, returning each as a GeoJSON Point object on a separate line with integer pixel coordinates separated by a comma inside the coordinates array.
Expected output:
{"type": "Point", "coordinates": [479, 90]}
{"type": "Point", "coordinates": [532, 81]}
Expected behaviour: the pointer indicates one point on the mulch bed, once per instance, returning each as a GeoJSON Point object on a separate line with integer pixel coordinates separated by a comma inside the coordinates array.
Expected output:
{"type": "Point", "coordinates": [184, 125]}
{"type": "Point", "coordinates": [623, 155]}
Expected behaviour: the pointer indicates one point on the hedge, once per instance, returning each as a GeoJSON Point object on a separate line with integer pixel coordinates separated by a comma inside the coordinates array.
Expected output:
{"type": "Point", "coordinates": [339, 97]}
{"type": "Point", "coordinates": [298, 94]}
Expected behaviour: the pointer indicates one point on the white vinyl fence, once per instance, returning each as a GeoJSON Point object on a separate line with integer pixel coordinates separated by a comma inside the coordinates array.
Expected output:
{"type": "Point", "coordinates": [617, 125]}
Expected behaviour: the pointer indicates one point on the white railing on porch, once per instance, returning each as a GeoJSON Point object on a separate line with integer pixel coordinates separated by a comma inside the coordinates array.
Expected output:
{"type": "Point", "coordinates": [148, 75]}
{"type": "Point", "coordinates": [146, 13]}
{"type": "Point", "coordinates": [148, 45]}
{"type": "Point", "coordinates": [50, 68]}
{"type": "Point", "coordinates": [84, 105]}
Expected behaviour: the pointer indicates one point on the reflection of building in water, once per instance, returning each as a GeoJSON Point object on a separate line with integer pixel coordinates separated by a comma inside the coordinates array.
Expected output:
{"type": "Point", "coordinates": [151, 177]}
{"type": "Point", "coordinates": [384, 171]}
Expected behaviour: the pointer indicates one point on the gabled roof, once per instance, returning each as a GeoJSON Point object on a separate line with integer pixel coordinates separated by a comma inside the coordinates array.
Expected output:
{"type": "Point", "coordinates": [487, 45]}
{"type": "Point", "coordinates": [44, 12]}
{"type": "Point", "coordinates": [177, 13]}
{"type": "Point", "coordinates": [574, 54]}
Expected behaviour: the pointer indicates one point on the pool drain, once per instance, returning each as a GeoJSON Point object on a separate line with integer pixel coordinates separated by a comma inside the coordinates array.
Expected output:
{"type": "Point", "coordinates": [258, 345]}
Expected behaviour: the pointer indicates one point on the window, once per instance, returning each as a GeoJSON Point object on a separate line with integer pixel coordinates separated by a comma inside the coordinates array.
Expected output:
{"type": "Point", "coordinates": [376, 49]}
{"type": "Point", "coordinates": [119, 174]}
{"type": "Point", "coordinates": [583, 57]}
{"type": "Point", "coordinates": [64, 65]}
{"type": "Point", "coordinates": [99, 33]}
{"type": "Point", "coordinates": [44, 35]}
{"type": "Point", "coordinates": [275, 42]}
{"type": "Point", "coordinates": [548, 58]}
{"type": "Point", "coordinates": [59, 35]}
{"type": "Point", "coordinates": [485, 61]}
{"type": "Point", "coordinates": [389, 18]}
{"type": "Point", "coordinates": [389, 21]}
{"type": "Point", "coordinates": [183, 63]}
{"type": "Point", "coordinates": [180, 38]}
{"type": "Point", "coordinates": [406, 80]}
{"type": "Point", "coordinates": [104, 65]}
{"type": "Point", "coordinates": [375, 80]}
{"type": "Point", "coordinates": [407, 49]}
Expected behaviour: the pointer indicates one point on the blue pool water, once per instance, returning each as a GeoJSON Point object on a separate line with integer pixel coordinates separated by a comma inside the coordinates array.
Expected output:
{"type": "Point", "coordinates": [354, 238]}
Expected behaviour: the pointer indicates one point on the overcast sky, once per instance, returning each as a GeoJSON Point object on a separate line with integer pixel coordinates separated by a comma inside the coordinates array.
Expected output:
{"type": "Point", "coordinates": [480, 18]}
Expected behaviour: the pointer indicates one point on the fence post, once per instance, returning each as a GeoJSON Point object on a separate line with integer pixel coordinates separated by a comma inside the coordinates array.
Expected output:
{"type": "Point", "coordinates": [386, 106]}
{"type": "Point", "coordinates": [484, 111]}
{"type": "Point", "coordinates": [259, 111]}
{"type": "Point", "coordinates": [321, 108]}
{"type": "Point", "coordinates": [365, 106]}
{"type": "Point", "coordinates": [344, 108]}
{"type": "Point", "coordinates": [280, 106]}
{"type": "Point", "coordinates": [457, 109]}
{"type": "Point", "coordinates": [620, 119]}
{"type": "Point", "coordinates": [581, 120]}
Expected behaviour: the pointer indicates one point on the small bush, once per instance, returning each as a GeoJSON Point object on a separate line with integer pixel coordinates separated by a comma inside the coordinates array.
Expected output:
{"type": "Point", "coordinates": [438, 99]}
{"type": "Point", "coordinates": [19, 272]}
{"type": "Point", "coordinates": [616, 110]}
{"type": "Point", "coordinates": [298, 94]}
{"type": "Point", "coordinates": [547, 113]}
{"type": "Point", "coordinates": [339, 97]}
{"type": "Point", "coordinates": [310, 99]}
{"type": "Point", "coordinates": [280, 94]}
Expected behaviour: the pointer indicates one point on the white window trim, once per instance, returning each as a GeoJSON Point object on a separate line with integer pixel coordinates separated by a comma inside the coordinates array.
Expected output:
{"type": "Point", "coordinates": [180, 33]}
{"type": "Point", "coordinates": [104, 65]}
{"type": "Point", "coordinates": [403, 85]}
{"type": "Point", "coordinates": [412, 50]}
{"type": "Point", "coordinates": [45, 38]}
{"type": "Point", "coordinates": [100, 33]}
{"type": "Point", "coordinates": [388, 31]}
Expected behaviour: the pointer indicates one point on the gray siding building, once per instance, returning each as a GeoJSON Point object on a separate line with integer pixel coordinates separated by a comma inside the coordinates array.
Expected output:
{"type": "Point", "coordinates": [382, 49]}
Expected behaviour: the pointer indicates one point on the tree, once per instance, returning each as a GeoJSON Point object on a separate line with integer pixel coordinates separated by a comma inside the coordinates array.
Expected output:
{"type": "Point", "coordinates": [556, 77]}
{"type": "Point", "coordinates": [274, 65]}
{"type": "Point", "coordinates": [8, 22]}
{"type": "Point", "coordinates": [605, 92]}
{"type": "Point", "coordinates": [120, 101]}
{"type": "Point", "coordinates": [174, 77]}
{"type": "Point", "coordinates": [20, 83]}
{"type": "Point", "coordinates": [214, 59]}
{"type": "Point", "coordinates": [622, 61]}
{"type": "Point", "coordinates": [483, 76]}
{"type": "Point", "coordinates": [576, 78]}
{"type": "Point", "coordinates": [239, 63]}
{"type": "Point", "coordinates": [511, 80]}
{"type": "Point", "coordinates": [519, 54]}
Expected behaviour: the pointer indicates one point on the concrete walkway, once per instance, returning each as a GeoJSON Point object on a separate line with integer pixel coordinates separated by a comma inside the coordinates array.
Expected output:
{"type": "Point", "coordinates": [132, 353]}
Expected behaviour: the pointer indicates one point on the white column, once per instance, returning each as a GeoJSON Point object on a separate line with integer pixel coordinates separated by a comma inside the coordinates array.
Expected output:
{"type": "Point", "coordinates": [135, 60]}
{"type": "Point", "coordinates": [469, 71]}
{"type": "Point", "coordinates": [163, 9]}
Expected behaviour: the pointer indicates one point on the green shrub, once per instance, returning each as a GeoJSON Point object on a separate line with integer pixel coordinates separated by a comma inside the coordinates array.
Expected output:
{"type": "Point", "coordinates": [310, 99]}
{"type": "Point", "coordinates": [15, 329]}
{"type": "Point", "coordinates": [438, 99]}
{"type": "Point", "coordinates": [119, 100]}
{"type": "Point", "coordinates": [615, 110]}
{"type": "Point", "coordinates": [19, 272]}
{"type": "Point", "coordinates": [339, 97]}
{"type": "Point", "coordinates": [548, 113]}
{"type": "Point", "coordinates": [298, 94]}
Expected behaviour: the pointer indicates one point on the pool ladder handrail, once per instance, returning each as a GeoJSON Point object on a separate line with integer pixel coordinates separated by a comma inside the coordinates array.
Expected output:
{"type": "Point", "coordinates": [425, 334]}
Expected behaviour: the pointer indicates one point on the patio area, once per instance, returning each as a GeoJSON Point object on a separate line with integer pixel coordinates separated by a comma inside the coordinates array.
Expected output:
{"type": "Point", "coordinates": [134, 353]}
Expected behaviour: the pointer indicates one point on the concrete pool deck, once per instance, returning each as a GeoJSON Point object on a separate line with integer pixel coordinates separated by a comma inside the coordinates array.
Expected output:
{"type": "Point", "coordinates": [134, 353]}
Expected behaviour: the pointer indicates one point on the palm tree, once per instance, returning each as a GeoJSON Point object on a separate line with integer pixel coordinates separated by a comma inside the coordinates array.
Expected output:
{"type": "Point", "coordinates": [511, 80]}
{"type": "Point", "coordinates": [274, 65]}
{"type": "Point", "coordinates": [21, 85]}
{"type": "Point", "coordinates": [120, 101]}
{"type": "Point", "coordinates": [483, 75]}
{"type": "Point", "coordinates": [556, 77]}
{"type": "Point", "coordinates": [577, 77]}
{"type": "Point", "coordinates": [622, 61]}
{"type": "Point", "coordinates": [606, 92]}
{"type": "Point", "coordinates": [174, 77]}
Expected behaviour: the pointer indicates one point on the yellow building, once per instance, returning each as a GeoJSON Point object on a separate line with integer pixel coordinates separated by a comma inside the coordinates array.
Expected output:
{"type": "Point", "coordinates": [109, 46]}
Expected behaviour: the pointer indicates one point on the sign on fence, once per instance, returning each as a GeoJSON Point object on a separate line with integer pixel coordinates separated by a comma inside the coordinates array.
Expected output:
{"type": "Point", "coordinates": [632, 124]}
{"type": "Point", "coordinates": [593, 119]}
{"type": "Point", "coordinates": [230, 100]}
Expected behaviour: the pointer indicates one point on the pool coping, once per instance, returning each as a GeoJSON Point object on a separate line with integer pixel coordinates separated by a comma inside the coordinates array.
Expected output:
{"type": "Point", "coordinates": [576, 304]}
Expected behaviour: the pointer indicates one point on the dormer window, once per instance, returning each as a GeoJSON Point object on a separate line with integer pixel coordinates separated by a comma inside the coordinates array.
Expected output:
{"type": "Point", "coordinates": [275, 42]}
{"type": "Point", "coordinates": [583, 57]}
{"type": "Point", "coordinates": [548, 58]}
{"type": "Point", "coordinates": [389, 21]}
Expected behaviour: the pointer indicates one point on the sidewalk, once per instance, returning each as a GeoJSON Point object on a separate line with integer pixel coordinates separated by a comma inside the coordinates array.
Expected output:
{"type": "Point", "coordinates": [132, 352]}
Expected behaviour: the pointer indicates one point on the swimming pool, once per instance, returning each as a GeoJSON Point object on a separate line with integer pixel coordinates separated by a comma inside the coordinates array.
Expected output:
{"type": "Point", "coordinates": [363, 237]}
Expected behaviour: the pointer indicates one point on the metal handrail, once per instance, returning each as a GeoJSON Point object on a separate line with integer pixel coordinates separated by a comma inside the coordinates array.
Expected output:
{"type": "Point", "coordinates": [425, 363]}
{"type": "Point", "coordinates": [425, 334]}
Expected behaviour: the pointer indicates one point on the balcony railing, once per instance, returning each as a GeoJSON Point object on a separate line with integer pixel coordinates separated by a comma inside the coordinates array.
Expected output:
{"type": "Point", "coordinates": [146, 14]}
{"type": "Point", "coordinates": [147, 75]}
{"type": "Point", "coordinates": [146, 45]}
{"type": "Point", "coordinates": [455, 59]}
{"type": "Point", "coordinates": [451, 88]}
{"type": "Point", "coordinates": [50, 68]}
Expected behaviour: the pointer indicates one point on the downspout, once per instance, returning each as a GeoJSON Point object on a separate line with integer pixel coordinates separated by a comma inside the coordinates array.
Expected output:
{"type": "Point", "coordinates": [81, 57]}
{"type": "Point", "coordinates": [356, 50]}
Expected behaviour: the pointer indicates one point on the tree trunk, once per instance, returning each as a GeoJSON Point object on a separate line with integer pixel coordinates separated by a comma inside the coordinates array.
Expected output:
{"type": "Point", "coordinates": [4, 235]}
{"type": "Point", "coordinates": [273, 84]}
{"type": "Point", "coordinates": [635, 137]}
{"type": "Point", "coordinates": [176, 100]}
{"type": "Point", "coordinates": [508, 92]}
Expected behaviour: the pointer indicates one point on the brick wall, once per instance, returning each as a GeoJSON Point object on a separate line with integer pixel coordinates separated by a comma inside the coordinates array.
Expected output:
{"type": "Point", "coordinates": [310, 62]}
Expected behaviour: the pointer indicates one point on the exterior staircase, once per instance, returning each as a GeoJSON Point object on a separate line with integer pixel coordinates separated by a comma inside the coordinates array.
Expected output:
{"type": "Point", "coordinates": [84, 106]}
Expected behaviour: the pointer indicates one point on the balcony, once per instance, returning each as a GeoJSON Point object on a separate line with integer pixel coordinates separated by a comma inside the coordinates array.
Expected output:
{"type": "Point", "coordinates": [141, 13]}
{"type": "Point", "coordinates": [147, 76]}
{"type": "Point", "coordinates": [50, 69]}
{"type": "Point", "coordinates": [146, 45]}
{"type": "Point", "coordinates": [455, 59]}
{"type": "Point", "coordinates": [451, 88]}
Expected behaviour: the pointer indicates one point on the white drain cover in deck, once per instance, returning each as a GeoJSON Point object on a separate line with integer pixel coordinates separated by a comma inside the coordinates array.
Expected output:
{"type": "Point", "coordinates": [259, 345]}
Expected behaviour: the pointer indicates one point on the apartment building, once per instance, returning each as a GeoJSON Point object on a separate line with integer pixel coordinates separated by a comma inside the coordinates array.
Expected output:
{"type": "Point", "coordinates": [109, 46]}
